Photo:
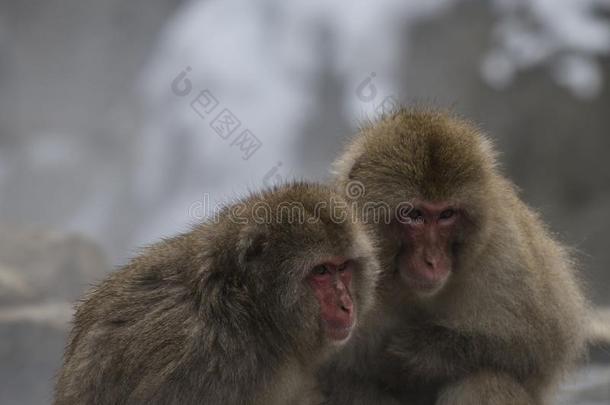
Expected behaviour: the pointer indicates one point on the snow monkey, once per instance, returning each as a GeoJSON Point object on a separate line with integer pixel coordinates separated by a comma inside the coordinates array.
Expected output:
{"type": "Point", "coordinates": [478, 304]}
{"type": "Point", "coordinates": [240, 310]}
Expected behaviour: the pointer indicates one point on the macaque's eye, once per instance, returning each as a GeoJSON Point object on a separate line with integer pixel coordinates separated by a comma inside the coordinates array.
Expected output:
{"type": "Point", "coordinates": [342, 267]}
{"type": "Point", "coordinates": [416, 215]}
{"type": "Point", "coordinates": [447, 214]}
{"type": "Point", "coordinates": [320, 270]}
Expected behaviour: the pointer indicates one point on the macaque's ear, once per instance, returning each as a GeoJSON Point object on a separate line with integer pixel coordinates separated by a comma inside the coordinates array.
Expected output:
{"type": "Point", "coordinates": [251, 244]}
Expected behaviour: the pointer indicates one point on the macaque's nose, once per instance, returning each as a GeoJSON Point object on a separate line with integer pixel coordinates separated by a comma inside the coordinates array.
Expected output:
{"type": "Point", "coordinates": [431, 261]}
{"type": "Point", "coordinates": [346, 305]}
{"type": "Point", "coordinates": [345, 301]}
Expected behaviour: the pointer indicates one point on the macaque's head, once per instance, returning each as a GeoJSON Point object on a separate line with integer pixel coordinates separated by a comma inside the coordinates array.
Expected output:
{"type": "Point", "coordinates": [422, 180]}
{"type": "Point", "coordinates": [302, 252]}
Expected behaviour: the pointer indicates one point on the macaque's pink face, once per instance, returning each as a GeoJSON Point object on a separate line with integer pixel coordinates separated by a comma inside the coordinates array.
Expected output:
{"type": "Point", "coordinates": [427, 260]}
{"type": "Point", "coordinates": [331, 284]}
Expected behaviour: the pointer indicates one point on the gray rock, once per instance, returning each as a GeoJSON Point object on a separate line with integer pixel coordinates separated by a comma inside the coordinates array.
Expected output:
{"type": "Point", "coordinates": [32, 339]}
{"type": "Point", "coordinates": [13, 288]}
{"type": "Point", "coordinates": [38, 265]}
{"type": "Point", "coordinates": [588, 386]}
{"type": "Point", "coordinates": [42, 273]}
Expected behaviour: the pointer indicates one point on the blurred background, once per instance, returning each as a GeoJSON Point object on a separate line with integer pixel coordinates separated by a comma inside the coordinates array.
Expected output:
{"type": "Point", "coordinates": [124, 122]}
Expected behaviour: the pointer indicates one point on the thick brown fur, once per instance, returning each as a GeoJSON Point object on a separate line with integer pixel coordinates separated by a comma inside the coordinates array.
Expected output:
{"type": "Point", "coordinates": [509, 322]}
{"type": "Point", "coordinates": [218, 315]}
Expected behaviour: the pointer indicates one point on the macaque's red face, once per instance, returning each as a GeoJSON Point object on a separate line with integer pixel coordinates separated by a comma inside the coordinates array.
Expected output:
{"type": "Point", "coordinates": [427, 259]}
{"type": "Point", "coordinates": [331, 284]}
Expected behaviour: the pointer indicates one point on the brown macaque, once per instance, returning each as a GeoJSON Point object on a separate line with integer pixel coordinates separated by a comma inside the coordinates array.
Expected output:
{"type": "Point", "coordinates": [240, 310]}
{"type": "Point", "coordinates": [477, 303]}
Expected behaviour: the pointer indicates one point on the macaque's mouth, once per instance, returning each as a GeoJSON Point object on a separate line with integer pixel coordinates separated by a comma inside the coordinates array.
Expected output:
{"type": "Point", "coordinates": [422, 287]}
{"type": "Point", "coordinates": [416, 282]}
{"type": "Point", "coordinates": [338, 331]}
{"type": "Point", "coordinates": [417, 276]}
{"type": "Point", "coordinates": [421, 284]}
